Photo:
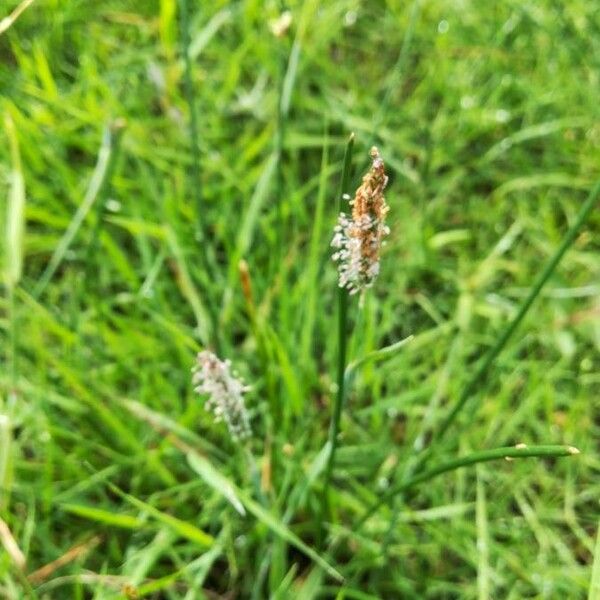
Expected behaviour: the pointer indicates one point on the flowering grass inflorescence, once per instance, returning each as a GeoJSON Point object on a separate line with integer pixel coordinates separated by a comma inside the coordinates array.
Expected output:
{"type": "Point", "coordinates": [214, 378]}
{"type": "Point", "coordinates": [358, 239]}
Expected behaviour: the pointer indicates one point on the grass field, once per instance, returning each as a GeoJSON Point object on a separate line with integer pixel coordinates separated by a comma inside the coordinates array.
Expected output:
{"type": "Point", "coordinates": [127, 215]}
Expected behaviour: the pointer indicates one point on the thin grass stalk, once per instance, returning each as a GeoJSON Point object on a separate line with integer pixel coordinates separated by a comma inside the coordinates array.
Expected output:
{"type": "Point", "coordinates": [279, 138]}
{"type": "Point", "coordinates": [14, 252]}
{"type": "Point", "coordinates": [397, 69]}
{"type": "Point", "coordinates": [482, 371]}
{"type": "Point", "coordinates": [116, 130]}
{"type": "Point", "coordinates": [472, 459]}
{"type": "Point", "coordinates": [343, 334]}
{"type": "Point", "coordinates": [314, 262]}
{"type": "Point", "coordinates": [190, 96]}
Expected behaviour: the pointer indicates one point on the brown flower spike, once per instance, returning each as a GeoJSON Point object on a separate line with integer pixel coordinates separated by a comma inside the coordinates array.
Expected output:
{"type": "Point", "coordinates": [358, 240]}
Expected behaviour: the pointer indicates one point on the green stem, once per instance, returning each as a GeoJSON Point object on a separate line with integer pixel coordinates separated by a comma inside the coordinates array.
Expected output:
{"type": "Point", "coordinates": [279, 139]}
{"type": "Point", "coordinates": [465, 461]}
{"type": "Point", "coordinates": [334, 427]}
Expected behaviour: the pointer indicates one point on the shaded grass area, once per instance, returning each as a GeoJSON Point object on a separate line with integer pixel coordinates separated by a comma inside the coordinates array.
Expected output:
{"type": "Point", "coordinates": [487, 116]}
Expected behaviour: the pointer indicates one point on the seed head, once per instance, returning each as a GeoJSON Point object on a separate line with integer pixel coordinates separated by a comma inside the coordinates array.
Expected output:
{"type": "Point", "coordinates": [213, 377]}
{"type": "Point", "coordinates": [358, 238]}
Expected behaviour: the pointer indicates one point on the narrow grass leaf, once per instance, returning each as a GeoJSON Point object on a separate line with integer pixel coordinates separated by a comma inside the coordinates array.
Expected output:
{"type": "Point", "coordinates": [199, 41]}
{"type": "Point", "coordinates": [188, 289]}
{"type": "Point", "coordinates": [298, 494]}
{"type": "Point", "coordinates": [182, 528]}
{"type": "Point", "coordinates": [105, 517]}
{"type": "Point", "coordinates": [311, 280]}
{"type": "Point", "coordinates": [261, 193]}
{"type": "Point", "coordinates": [10, 545]}
{"type": "Point", "coordinates": [310, 587]}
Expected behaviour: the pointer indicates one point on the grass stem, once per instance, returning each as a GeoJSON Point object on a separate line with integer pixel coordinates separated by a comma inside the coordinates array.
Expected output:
{"type": "Point", "coordinates": [190, 98]}
{"type": "Point", "coordinates": [334, 427]}
{"type": "Point", "coordinates": [201, 233]}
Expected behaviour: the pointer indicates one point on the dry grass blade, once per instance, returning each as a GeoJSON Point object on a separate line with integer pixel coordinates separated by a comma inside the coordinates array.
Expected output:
{"type": "Point", "coordinates": [11, 546]}
{"type": "Point", "coordinates": [69, 556]}
{"type": "Point", "coordinates": [9, 21]}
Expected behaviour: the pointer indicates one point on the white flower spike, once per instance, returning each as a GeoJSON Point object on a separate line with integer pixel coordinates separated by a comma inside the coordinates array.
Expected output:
{"type": "Point", "coordinates": [358, 239]}
{"type": "Point", "coordinates": [213, 377]}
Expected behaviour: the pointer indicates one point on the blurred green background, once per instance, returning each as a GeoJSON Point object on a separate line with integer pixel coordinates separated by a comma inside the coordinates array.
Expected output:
{"type": "Point", "coordinates": [487, 115]}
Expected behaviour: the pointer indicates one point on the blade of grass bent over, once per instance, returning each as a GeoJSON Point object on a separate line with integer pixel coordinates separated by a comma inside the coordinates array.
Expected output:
{"type": "Point", "coordinates": [465, 461]}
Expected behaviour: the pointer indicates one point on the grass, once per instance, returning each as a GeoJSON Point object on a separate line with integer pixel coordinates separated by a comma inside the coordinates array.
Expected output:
{"type": "Point", "coordinates": [113, 475]}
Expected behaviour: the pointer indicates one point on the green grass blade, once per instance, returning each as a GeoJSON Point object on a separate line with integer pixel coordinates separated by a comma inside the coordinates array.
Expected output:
{"type": "Point", "coordinates": [102, 516]}
{"type": "Point", "coordinates": [104, 167]}
{"type": "Point", "coordinates": [483, 541]}
{"type": "Point", "coordinates": [183, 528]}
{"type": "Point", "coordinates": [189, 291]}
{"type": "Point", "coordinates": [314, 253]}
{"type": "Point", "coordinates": [215, 480]}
